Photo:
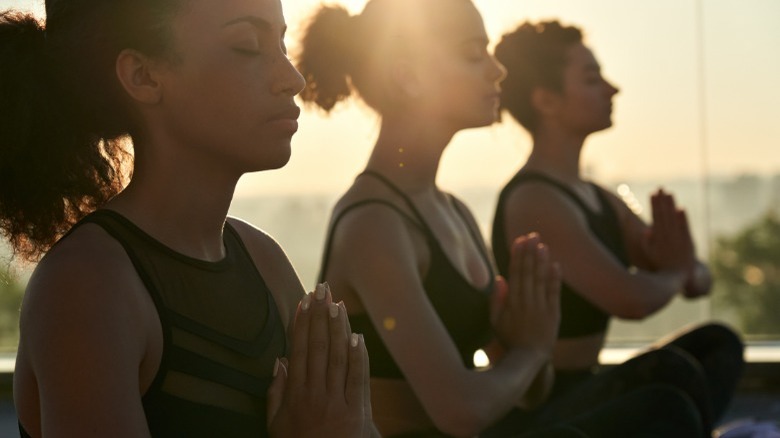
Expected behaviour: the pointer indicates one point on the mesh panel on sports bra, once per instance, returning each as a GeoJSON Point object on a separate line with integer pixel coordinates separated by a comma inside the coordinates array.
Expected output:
{"type": "Point", "coordinates": [222, 335]}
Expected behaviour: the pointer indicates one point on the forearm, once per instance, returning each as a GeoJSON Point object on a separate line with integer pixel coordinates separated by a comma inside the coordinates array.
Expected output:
{"type": "Point", "coordinates": [478, 399]}
{"type": "Point", "coordinates": [540, 388]}
{"type": "Point", "coordinates": [513, 378]}
{"type": "Point", "coordinates": [651, 291]}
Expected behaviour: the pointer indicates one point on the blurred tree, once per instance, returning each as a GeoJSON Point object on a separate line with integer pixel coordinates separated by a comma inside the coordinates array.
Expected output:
{"type": "Point", "coordinates": [746, 267]}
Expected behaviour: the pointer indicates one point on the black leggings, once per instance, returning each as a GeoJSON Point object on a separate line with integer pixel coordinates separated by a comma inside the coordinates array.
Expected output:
{"type": "Point", "coordinates": [680, 387]}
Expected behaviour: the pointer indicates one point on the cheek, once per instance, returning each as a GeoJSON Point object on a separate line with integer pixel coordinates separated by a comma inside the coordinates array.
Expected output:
{"type": "Point", "coordinates": [220, 92]}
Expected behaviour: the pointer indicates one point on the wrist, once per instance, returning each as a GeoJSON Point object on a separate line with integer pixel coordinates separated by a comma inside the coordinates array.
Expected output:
{"type": "Point", "coordinates": [698, 282]}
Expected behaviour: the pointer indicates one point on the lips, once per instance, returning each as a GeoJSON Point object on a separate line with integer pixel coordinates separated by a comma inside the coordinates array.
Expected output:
{"type": "Point", "coordinates": [291, 113]}
{"type": "Point", "coordinates": [286, 120]}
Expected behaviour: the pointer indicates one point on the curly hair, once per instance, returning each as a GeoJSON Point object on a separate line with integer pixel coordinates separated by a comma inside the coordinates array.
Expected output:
{"type": "Point", "coordinates": [535, 55]}
{"type": "Point", "coordinates": [65, 121]}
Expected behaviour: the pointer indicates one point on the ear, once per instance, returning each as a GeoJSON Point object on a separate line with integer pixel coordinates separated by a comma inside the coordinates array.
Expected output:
{"type": "Point", "coordinates": [136, 73]}
{"type": "Point", "coordinates": [406, 79]}
{"type": "Point", "coordinates": [544, 101]}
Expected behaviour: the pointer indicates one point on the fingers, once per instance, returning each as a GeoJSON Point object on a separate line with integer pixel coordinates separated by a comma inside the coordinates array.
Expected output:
{"type": "Point", "coordinates": [542, 267]}
{"type": "Point", "coordinates": [553, 286]}
{"type": "Point", "coordinates": [684, 226]}
{"type": "Point", "coordinates": [367, 409]}
{"type": "Point", "coordinates": [500, 289]}
{"type": "Point", "coordinates": [276, 391]}
{"type": "Point", "coordinates": [515, 271]}
{"type": "Point", "coordinates": [300, 344]}
{"type": "Point", "coordinates": [357, 376]}
{"type": "Point", "coordinates": [317, 356]}
{"type": "Point", "coordinates": [528, 276]}
{"type": "Point", "coordinates": [339, 341]}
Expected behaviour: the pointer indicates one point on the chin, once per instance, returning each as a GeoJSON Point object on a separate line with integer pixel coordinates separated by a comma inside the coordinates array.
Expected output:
{"type": "Point", "coordinates": [272, 159]}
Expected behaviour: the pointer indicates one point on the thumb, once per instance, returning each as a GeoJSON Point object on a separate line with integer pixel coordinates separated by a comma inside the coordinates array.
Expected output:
{"type": "Point", "coordinates": [276, 391]}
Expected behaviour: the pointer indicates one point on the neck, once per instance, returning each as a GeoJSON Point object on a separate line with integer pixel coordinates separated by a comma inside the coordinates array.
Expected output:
{"type": "Point", "coordinates": [180, 199]}
{"type": "Point", "coordinates": [556, 153]}
{"type": "Point", "coordinates": [409, 151]}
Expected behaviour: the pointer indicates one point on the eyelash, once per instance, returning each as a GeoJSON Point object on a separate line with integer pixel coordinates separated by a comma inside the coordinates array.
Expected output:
{"type": "Point", "coordinates": [247, 52]}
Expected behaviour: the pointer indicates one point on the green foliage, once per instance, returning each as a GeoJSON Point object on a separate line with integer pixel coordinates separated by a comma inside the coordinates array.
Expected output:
{"type": "Point", "coordinates": [747, 272]}
{"type": "Point", "coordinates": [11, 292]}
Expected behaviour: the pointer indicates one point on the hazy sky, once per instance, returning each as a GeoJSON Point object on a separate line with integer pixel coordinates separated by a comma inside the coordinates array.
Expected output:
{"type": "Point", "coordinates": [649, 49]}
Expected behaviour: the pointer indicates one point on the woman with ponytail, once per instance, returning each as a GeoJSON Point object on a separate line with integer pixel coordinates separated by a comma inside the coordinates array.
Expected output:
{"type": "Point", "coordinates": [407, 258]}
{"type": "Point", "coordinates": [125, 127]}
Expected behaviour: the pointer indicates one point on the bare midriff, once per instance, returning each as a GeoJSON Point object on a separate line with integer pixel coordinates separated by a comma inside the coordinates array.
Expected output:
{"type": "Point", "coordinates": [578, 353]}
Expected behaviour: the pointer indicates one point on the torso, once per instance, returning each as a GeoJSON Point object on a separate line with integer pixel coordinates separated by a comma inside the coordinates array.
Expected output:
{"type": "Point", "coordinates": [451, 263]}
{"type": "Point", "coordinates": [155, 378]}
{"type": "Point", "coordinates": [583, 325]}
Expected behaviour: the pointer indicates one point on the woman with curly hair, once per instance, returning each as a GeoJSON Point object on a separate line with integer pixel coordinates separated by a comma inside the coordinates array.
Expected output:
{"type": "Point", "coordinates": [555, 90]}
{"type": "Point", "coordinates": [152, 312]}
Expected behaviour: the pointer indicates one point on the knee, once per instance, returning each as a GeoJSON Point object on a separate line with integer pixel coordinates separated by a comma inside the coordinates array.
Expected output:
{"type": "Point", "coordinates": [723, 338]}
{"type": "Point", "coordinates": [677, 407]}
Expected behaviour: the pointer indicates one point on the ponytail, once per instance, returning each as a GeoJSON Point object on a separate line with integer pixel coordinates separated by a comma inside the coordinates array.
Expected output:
{"type": "Point", "coordinates": [53, 170]}
{"type": "Point", "coordinates": [328, 56]}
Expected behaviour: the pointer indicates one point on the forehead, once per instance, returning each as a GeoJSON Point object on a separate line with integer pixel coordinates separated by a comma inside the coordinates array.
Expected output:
{"type": "Point", "coordinates": [580, 57]}
{"type": "Point", "coordinates": [460, 20]}
{"type": "Point", "coordinates": [202, 15]}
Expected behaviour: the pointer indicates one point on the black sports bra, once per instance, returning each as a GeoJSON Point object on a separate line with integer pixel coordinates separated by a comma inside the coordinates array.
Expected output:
{"type": "Point", "coordinates": [579, 317]}
{"type": "Point", "coordinates": [462, 308]}
{"type": "Point", "coordinates": [221, 335]}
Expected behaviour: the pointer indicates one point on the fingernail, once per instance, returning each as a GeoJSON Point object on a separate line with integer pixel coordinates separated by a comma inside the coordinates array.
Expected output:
{"type": "Point", "coordinates": [276, 367]}
{"type": "Point", "coordinates": [333, 309]}
{"type": "Point", "coordinates": [306, 302]}
{"type": "Point", "coordinates": [541, 249]}
{"type": "Point", "coordinates": [353, 340]}
{"type": "Point", "coordinates": [326, 285]}
{"type": "Point", "coordinates": [320, 291]}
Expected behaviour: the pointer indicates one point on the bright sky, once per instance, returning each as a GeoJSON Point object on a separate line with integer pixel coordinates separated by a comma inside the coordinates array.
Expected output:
{"type": "Point", "coordinates": [649, 49]}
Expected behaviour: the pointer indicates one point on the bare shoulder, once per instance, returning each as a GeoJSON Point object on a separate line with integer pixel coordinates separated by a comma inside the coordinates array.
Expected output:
{"type": "Point", "coordinates": [370, 236]}
{"type": "Point", "coordinates": [273, 265]}
{"type": "Point", "coordinates": [88, 326]}
{"type": "Point", "coordinates": [539, 202]}
{"type": "Point", "coordinates": [86, 274]}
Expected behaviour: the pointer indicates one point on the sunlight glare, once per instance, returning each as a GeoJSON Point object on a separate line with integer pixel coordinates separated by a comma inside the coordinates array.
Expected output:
{"type": "Point", "coordinates": [481, 359]}
{"type": "Point", "coordinates": [354, 6]}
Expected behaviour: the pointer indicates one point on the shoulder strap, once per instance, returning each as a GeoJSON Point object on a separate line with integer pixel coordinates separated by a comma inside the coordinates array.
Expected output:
{"type": "Point", "coordinates": [355, 206]}
{"type": "Point", "coordinates": [395, 189]}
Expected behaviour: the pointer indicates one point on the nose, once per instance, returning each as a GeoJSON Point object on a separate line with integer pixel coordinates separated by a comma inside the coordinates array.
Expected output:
{"type": "Point", "coordinates": [288, 81]}
{"type": "Point", "coordinates": [611, 89]}
{"type": "Point", "coordinates": [497, 70]}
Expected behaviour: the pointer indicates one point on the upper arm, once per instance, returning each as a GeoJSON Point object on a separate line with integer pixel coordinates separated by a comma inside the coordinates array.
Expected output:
{"type": "Point", "coordinates": [378, 256]}
{"type": "Point", "coordinates": [85, 337]}
{"type": "Point", "coordinates": [586, 264]}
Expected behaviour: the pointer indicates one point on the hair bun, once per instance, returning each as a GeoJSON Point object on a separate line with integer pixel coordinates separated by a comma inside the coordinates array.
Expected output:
{"type": "Point", "coordinates": [328, 56]}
